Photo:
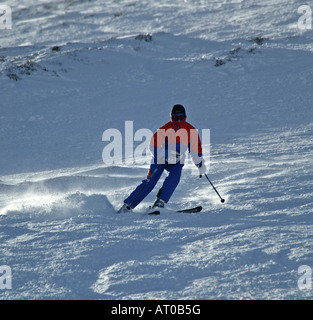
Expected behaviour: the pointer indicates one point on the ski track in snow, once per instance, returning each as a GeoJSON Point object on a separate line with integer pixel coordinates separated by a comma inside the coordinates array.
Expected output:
{"type": "Point", "coordinates": [59, 231]}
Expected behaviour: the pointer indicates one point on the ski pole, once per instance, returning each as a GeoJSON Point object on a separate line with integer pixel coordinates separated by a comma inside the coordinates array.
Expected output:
{"type": "Point", "coordinates": [222, 200]}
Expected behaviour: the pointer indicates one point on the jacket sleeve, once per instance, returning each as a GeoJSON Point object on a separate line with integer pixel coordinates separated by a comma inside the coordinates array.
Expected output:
{"type": "Point", "coordinates": [195, 148]}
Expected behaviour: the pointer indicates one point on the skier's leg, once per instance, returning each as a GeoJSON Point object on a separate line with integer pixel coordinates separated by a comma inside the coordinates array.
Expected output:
{"type": "Point", "coordinates": [145, 187]}
{"type": "Point", "coordinates": [171, 181]}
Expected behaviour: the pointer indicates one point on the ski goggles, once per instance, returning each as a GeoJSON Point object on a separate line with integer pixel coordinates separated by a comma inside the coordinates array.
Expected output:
{"type": "Point", "coordinates": [179, 117]}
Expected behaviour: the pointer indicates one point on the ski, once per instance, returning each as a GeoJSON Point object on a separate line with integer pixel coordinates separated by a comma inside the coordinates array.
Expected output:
{"type": "Point", "coordinates": [191, 210]}
{"type": "Point", "coordinates": [152, 211]}
{"type": "Point", "coordinates": [155, 212]}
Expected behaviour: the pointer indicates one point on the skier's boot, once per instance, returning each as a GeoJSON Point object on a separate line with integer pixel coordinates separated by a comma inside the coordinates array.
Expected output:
{"type": "Point", "coordinates": [158, 203]}
{"type": "Point", "coordinates": [125, 208]}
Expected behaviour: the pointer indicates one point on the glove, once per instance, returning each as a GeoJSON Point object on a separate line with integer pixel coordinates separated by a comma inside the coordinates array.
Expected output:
{"type": "Point", "coordinates": [202, 169]}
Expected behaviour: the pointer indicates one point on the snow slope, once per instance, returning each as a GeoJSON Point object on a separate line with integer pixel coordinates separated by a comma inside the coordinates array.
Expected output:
{"type": "Point", "coordinates": [69, 70]}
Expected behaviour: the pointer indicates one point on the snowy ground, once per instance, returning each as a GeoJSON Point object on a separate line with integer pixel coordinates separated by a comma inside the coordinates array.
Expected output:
{"type": "Point", "coordinates": [69, 70]}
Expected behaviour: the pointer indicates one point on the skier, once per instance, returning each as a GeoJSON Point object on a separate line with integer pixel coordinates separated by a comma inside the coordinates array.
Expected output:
{"type": "Point", "coordinates": [168, 146]}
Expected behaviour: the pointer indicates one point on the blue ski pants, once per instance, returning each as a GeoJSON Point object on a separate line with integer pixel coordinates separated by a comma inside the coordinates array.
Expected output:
{"type": "Point", "coordinates": [147, 185]}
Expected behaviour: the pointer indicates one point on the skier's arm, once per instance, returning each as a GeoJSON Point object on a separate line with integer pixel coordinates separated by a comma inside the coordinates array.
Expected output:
{"type": "Point", "coordinates": [195, 149]}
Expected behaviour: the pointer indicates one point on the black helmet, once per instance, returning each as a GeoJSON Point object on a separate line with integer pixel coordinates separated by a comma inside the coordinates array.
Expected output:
{"type": "Point", "coordinates": [178, 116]}
{"type": "Point", "coordinates": [178, 109]}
